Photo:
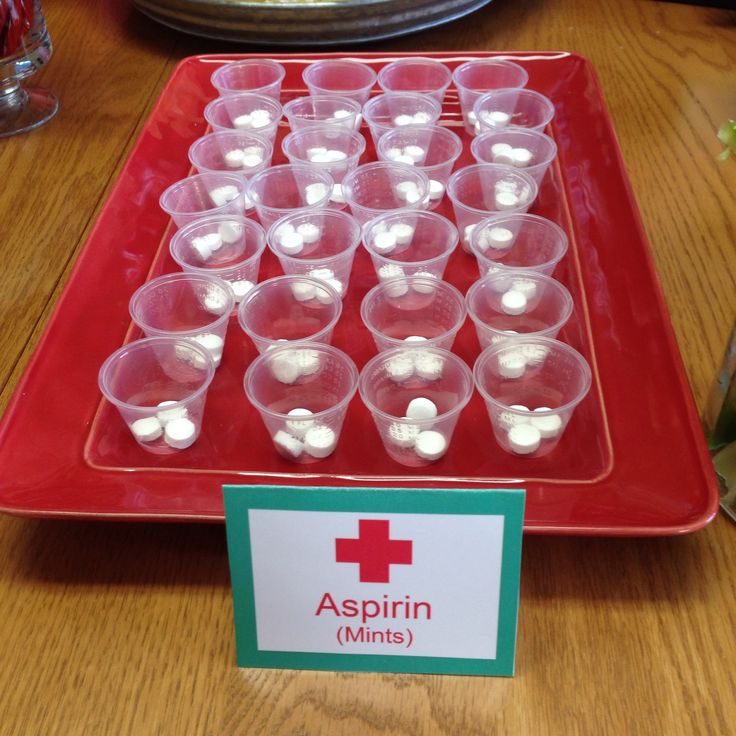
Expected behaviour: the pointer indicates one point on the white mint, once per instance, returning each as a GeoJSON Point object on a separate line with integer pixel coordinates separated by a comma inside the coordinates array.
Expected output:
{"type": "Point", "coordinates": [430, 445]}
{"type": "Point", "coordinates": [252, 159]}
{"type": "Point", "coordinates": [204, 245]}
{"type": "Point", "coordinates": [403, 159]}
{"type": "Point", "coordinates": [322, 273]}
{"type": "Point", "coordinates": [180, 433]}
{"type": "Point", "coordinates": [215, 301]}
{"type": "Point", "coordinates": [310, 233]}
{"type": "Point", "coordinates": [284, 367]}
{"type": "Point", "coordinates": [506, 200]}
{"type": "Point", "coordinates": [247, 202]}
{"type": "Point", "coordinates": [400, 368]}
{"type": "Point", "coordinates": [390, 271]}
{"type": "Point", "coordinates": [415, 338]}
{"type": "Point", "coordinates": [524, 438]}
{"type": "Point", "coordinates": [337, 195]}
{"type": "Point", "coordinates": [307, 361]}
{"type": "Point", "coordinates": [421, 408]}
{"type": "Point", "coordinates": [340, 114]}
{"type": "Point", "coordinates": [508, 419]}
{"type": "Point", "coordinates": [234, 158]}
{"type": "Point", "coordinates": [436, 189]}
{"type": "Point", "coordinates": [421, 118]}
{"type": "Point", "coordinates": [415, 153]}
{"type": "Point", "coordinates": [299, 427]}
{"type": "Point", "coordinates": [303, 291]}
{"type": "Point", "coordinates": [281, 230]}
{"type": "Point", "coordinates": [427, 366]}
{"type": "Point", "coordinates": [241, 288]}
{"type": "Point", "coordinates": [320, 158]}
{"type": "Point", "coordinates": [511, 364]}
{"type": "Point", "coordinates": [403, 434]}
{"type": "Point", "coordinates": [337, 285]}
{"type": "Point", "coordinates": [168, 415]}
{"type": "Point", "coordinates": [242, 121]}
{"type": "Point", "coordinates": [501, 153]}
{"type": "Point", "coordinates": [222, 195]}
{"type": "Point", "coordinates": [500, 238]}
{"type": "Point", "coordinates": [212, 343]}
{"type": "Point", "coordinates": [335, 155]}
{"type": "Point", "coordinates": [316, 151]}
{"type": "Point", "coordinates": [409, 191]}
{"type": "Point", "coordinates": [384, 242]}
{"type": "Point", "coordinates": [534, 354]}
{"type": "Point", "coordinates": [403, 232]}
{"type": "Point", "coordinates": [260, 118]}
{"type": "Point", "coordinates": [400, 120]}
{"type": "Point", "coordinates": [468, 232]}
{"type": "Point", "coordinates": [423, 288]}
{"type": "Point", "coordinates": [320, 441]}
{"type": "Point", "coordinates": [291, 243]}
{"type": "Point", "coordinates": [513, 302]}
{"type": "Point", "coordinates": [526, 286]}
{"type": "Point", "coordinates": [230, 232]}
{"type": "Point", "coordinates": [413, 196]}
{"type": "Point", "coordinates": [289, 444]}
{"type": "Point", "coordinates": [315, 192]}
{"type": "Point", "coordinates": [496, 118]}
{"type": "Point", "coordinates": [472, 119]}
{"type": "Point", "coordinates": [147, 429]}
{"type": "Point", "coordinates": [393, 153]}
{"type": "Point", "coordinates": [549, 425]}
{"type": "Point", "coordinates": [521, 157]}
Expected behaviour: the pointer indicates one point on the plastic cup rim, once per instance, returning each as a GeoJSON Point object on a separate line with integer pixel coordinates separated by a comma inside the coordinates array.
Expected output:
{"type": "Point", "coordinates": [232, 179]}
{"type": "Point", "coordinates": [347, 185]}
{"type": "Point", "coordinates": [488, 61]}
{"type": "Point", "coordinates": [271, 171]}
{"type": "Point", "coordinates": [229, 99]}
{"type": "Point", "coordinates": [418, 96]}
{"type": "Point", "coordinates": [410, 60]}
{"type": "Point", "coordinates": [452, 183]}
{"type": "Point", "coordinates": [544, 101]}
{"type": "Point", "coordinates": [224, 133]}
{"type": "Point", "coordinates": [434, 128]}
{"type": "Point", "coordinates": [309, 71]}
{"type": "Point", "coordinates": [329, 128]}
{"type": "Point", "coordinates": [479, 140]}
{"type": "Point", "coordinates": [271, 63]}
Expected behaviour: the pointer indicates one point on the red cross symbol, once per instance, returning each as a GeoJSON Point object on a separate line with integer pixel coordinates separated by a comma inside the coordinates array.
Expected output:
{"type": "Point", "coordinates": [374, 551]}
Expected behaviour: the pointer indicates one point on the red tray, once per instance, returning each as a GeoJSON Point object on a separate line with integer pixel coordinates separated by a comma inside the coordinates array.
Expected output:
{"type": "Point", "coordinates": [632, 462]}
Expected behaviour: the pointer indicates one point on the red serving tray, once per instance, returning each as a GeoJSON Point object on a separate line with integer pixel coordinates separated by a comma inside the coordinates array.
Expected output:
{"type": "Point", "coordinates": [632, 462]}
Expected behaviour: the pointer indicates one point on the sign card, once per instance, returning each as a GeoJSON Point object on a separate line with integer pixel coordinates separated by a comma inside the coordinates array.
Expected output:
{"type": "Point", "coordinates": [375, 579]}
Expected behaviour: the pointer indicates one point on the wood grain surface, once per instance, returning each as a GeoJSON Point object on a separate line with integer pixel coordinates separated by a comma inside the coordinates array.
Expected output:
{"type": "Point", "coordinates": [127, 629]}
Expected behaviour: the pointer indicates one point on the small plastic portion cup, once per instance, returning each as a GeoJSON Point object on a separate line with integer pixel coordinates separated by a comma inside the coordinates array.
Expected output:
{"type": "Point", "coordinates": [231, 151]}
{"type": "Point", "coordinates": [247, 112]}
{"type": "Point", "coordinates": [306, 112]}
{"type": "Point", "coordinates": [302, 392]}
{"type": "Point", "coordinates": [227, 247]}
{"type": "Point", "coordinates": [518, 242]}
{"type": "Point", "coordinates": [330, 148]}
{"type": "Point", "coordinates": [513, 108]}
{"type": "Point", "coordinates": [415, 396]}
{"type": "Point", "coordinates": [399, 109]}
{"type": "Point", "coordinates": [341, 77]}
{"type": "Point", "coordinates": [416, 74]}
{"type": "Point", "coordinates": [475, 77]}
{"type": "Point", "coordinates": [526, 303]}
{"type": "Point", "coordinates": [381, 187]}
{"type": "Point", "coordinates": [528, 149]}
{"type": "Point", "coordinates": [480, 191]}
{"type": "Point", "coordinates": [159, 386]}
{"type": "Point", "coordinates": [531, 387]}
{"type": "Point", "coordinates": [411, 311]}
{"type": "Point", "coordinates": [432, 149]}
{"type": "Point", "coordinates": [196, 306]}
{"type": "Point", "coordinates": [317, 243]}
{"type": "Point", "coordinates": [202, 195]}
{"type": "Point", "coordinates": [281, 190]}
{"type": "Point", "coordinates": [289, 309]}
{"type": "Point", "coordinates": [260, 76]}
{"type": "Point", "coordinates": [410, 244]}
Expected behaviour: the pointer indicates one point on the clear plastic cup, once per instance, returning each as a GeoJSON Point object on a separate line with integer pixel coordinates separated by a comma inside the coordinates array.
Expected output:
{"type": "Point", "coordinates": [317, 243]}
{"type": "Point", "coordinates": [399, 109]}
{"type": "Point", "coordinates": [415, 396]}
{"type": "Point", "coordinates": [261, 76]}
{"type": "Point", "coordinates": [245, 111]}
{"type": "Point", "coordinates": [475, 77]}
{"type": "Point", "coordinates": [281, 190]}
{"type": "Point", "coordinates": [306, 112]}
{"type": "Point", "coordinates": [202, 195]}
{"type": "Point", "coordinates": [528, 149]}
{"type": "Point", "coordinates": [227, 247]}
{"type": "Point", "coordinates": [302, 392]}
{"type": "Point", "coordinates": [410, 244]}
{"type": "Point", "coordinates": [196, 306]}
{"type": "Point", "coordinates": [413, 311]}
{"type": "Point", "coordinates": [526, 303]}
{"type": "Point", "coordinates": [432, 149]}
{"type": "Point", "coordinates": [518, 242]}
{"type": "Point", "coordinates": [480, 191]}
{"type": "Point", "coordinates": [531, 387]}
{"type": "Point", "coordinates": [416, 74]}
{"type": "Point", "coordinates": [512, 108]}
{"type": "Point", "coordinates": [385, 186]}
{"type": "Point", "coordinates": [330, 148]}
{"type": "Point", "coordinates": [159, 386]}
{"type": "Point", "coordinates": [289, 309]}
{"type": "Point", "coordinates": [341, 77]}
{"type": "Point", "coordinates": [231, 151]}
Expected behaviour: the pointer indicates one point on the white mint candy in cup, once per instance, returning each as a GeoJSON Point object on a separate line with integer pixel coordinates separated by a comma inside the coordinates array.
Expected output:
{"type": "Point", "coordinates": [416, 74]}
{"type": "Point", "coordinates": [320, 243]}
{"type": "Point", "coordinates": [196, 306]}
{"type": "Point", "coordinates": [281, 190]}
{"type": "Point", "coordinates": [425, 311]}
{"type": "Point", "coordinates": [225, 246]}
{"type": "Point", "coordinates": [410, 244]}
{"type": "Point", "coordinates": [512, 108]}
{"type": "Point", "coordinates": [531, 387]}
{"type": "Point", "coordinates": [289, 308]}
{"type": "Point", "coordinates": [341, 77]}
{"type": "Point", "coordinates": [478, 76]}
{"type": "Point", "coordinates": [518, 242]}
{"type": "Point", "coordinates": [547, 306]}
{"type": "Point", "coordinates": [303, 416]}
{"type": "Point", "coordinates": [480, 191]}
{"type": "Point", "coordinates": [140, 376]}
{"type": "Point", "coordinates": [320, 110]}
{"type": "Point", "coordinates": [247, 112]}
{"type": "Point", "coordinates": [399, 109]}
{"type": "Point", "coordinates": [203, 195]}
{"type": "Point", "coordinates": [378, 188]}
{"type": "Point", "coordinates": [259, 76]}
{"type": "Point", "coordinates": [416, 417]}
{"type": "Point", "coordinates": [431, 148]}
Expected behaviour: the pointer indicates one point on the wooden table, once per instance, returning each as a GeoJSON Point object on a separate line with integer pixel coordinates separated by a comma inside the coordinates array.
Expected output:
{"type": "Point", "coordinates": [127, 628]}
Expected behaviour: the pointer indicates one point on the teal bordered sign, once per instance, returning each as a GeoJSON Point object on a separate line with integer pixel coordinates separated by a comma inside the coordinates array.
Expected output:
{"type": "Point", "coordinates": [375, 580]}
